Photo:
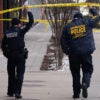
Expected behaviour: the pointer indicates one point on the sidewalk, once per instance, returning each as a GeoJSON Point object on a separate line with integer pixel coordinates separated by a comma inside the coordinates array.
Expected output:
{"type": "Point", "coordinates": [48, 85]}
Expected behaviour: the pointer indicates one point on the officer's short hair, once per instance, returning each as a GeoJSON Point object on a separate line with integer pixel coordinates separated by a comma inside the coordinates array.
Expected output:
{"type": "Point", "coordinates": [15, 21]}
{"type": "Point", "coordinates": [78, 15]}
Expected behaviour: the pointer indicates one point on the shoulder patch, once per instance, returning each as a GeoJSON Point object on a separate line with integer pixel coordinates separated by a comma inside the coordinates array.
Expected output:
{"type": "Point", "coordinates": [12, 35]}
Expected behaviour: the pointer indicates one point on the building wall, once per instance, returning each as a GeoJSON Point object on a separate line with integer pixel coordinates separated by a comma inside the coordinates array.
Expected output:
{"type": "Point", "coordinates": [1, 22]}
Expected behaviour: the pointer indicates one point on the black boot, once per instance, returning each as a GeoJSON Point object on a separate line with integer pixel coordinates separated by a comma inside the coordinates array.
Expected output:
{"type": "Point", "coordinates": [84, 91]}
{"type": "Point", "coordinates": [10, 94]}
{"type": "Point", "coordinates": [76, 96]}
{"type": "Point", "coordinates": [18, 96]}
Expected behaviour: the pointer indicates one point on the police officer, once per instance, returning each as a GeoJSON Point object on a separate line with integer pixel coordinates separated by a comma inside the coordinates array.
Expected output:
{"type": "Point", "coordinates": [77, 42]}
{"type": "Point", "coordinates": [13, 48]}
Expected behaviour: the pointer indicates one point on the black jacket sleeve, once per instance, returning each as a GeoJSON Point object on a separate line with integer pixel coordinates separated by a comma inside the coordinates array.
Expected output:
{"type": "Point", "coordinates": [94, 21]}
{"type": "Point", "coordinates": [28, 25]}
{"type": "Point", "coordinates": [93, 11]}
{"type": "Point", "coordinates": [4, 47]}
{"type": "Point", "coordinates": [65, 41]}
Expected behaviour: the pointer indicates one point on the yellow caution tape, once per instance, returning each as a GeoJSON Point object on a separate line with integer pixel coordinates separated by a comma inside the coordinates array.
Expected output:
{"type": "Point", "coordinates": [25, 20]}
{"type": "Point", "coordinates": [43, 21]}
{"type": "Point", "coordinates": [96, 30]}
{"type": "Point", "coordinates": [65, 5]}
{"type": "Point", "coordinates": [5, 19]}
{"type": "Point", "coordinates": [47, 5]}
{"type": "Point", "coordinates": [51, 5]}
{"type": "Point", "coordinates": [10, 10]}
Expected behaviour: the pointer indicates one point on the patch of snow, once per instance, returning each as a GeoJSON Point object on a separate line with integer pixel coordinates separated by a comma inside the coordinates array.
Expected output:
{"type": "Point", "coordinates": [65, 64]}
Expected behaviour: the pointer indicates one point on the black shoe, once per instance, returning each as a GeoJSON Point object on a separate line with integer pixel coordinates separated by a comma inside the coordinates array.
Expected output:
{"type": "Point", "coordinates": [76, 96]}
{"type": "Point", "coordinates": [10, 95]}
{"type": "Point", "coordinates": [84, 91]}
{"type": "Point", "coordinates": [18, 96]}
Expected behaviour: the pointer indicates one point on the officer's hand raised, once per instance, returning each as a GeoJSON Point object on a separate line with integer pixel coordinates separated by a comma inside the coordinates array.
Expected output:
{"type": "Point", "coordinates": [26, 8]}
{"type": "Point", "coordinates": [90, 6]}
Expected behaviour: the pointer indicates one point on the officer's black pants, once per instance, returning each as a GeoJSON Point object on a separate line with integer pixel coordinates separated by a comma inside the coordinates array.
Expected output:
{"type": "Point", "coordinates": [16, 69]}
{"type": "Point", "coordinates": [80, 61]}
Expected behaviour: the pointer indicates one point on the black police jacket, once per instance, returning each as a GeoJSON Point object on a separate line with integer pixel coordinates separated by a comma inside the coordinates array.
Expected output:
{"type": "Point", "coordinates": [77, 36]}
{"type": "Point", "coordinates": [14, 37]}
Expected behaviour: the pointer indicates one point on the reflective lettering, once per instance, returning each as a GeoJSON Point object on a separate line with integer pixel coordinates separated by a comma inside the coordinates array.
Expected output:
{"type": "Point", "coordinates": [11, 35]}
{"type": "Point", "coordinates": [78, 31]}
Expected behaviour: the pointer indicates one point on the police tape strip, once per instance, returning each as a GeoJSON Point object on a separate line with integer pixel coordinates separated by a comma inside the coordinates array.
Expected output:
{"type": "Point", "coordinates": [25, 20]}
{"type": "Point", "coordinates": [65, 5]}
{"type": "Point", "coordinates": [96, 30]}
{"type": "Point", "coordinates": [47, 5]}
{"type": "Point", "coordinates": [45, 22]}
{"type": "Point", "coordinates": [51, 5]}
{"type": "Point", "coordinates": [36, 20]}
{"type": "Point", "coordinates": [10, 10]}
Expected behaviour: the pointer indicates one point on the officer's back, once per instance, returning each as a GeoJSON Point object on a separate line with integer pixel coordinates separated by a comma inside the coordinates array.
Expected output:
{"type": "Point", "coordinates": [14, 37]}
{"type": "Point", "coordinates": [80, 35]}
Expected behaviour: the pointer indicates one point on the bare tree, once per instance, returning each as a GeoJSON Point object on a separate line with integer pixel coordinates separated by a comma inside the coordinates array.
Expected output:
{"type": "Point", "coordinates": [57, 18]}
{"type": "Point", "coordinates": [14, 4]}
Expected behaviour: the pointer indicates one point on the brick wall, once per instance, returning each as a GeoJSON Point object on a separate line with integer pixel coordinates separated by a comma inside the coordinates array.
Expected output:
{"type": "Point", "coordinates": [1, 22]}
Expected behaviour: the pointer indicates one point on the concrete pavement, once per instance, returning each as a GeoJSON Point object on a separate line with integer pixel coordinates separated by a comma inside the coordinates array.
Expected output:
{"type": "Point", "coordinates": [47, 85]}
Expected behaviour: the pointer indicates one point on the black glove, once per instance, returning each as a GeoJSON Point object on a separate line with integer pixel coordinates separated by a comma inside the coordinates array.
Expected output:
{"type": "Point", "coordinates": [25, 53]}
{"type": "Point", "coordinates": [6, 53]}
{"type": "Point", "coordinates": [93, 11]}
